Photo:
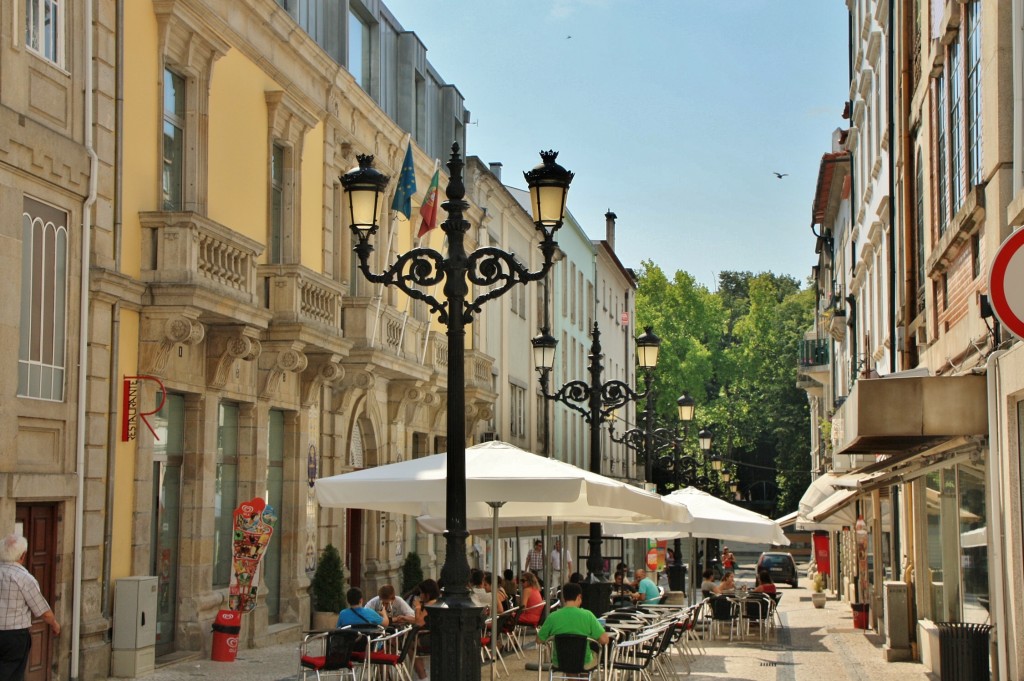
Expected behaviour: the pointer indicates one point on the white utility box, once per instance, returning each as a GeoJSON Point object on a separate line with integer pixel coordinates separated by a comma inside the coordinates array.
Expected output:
{"type": "Point", "coordinates": [134, 641]}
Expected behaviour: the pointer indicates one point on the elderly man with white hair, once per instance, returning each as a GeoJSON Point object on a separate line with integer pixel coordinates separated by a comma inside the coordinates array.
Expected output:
{"type": "Point", "coordinates": [20, 600]}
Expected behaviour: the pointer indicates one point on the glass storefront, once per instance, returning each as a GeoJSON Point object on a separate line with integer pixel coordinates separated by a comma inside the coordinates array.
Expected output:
{"type": "Point", "coordinates": [956, 573]}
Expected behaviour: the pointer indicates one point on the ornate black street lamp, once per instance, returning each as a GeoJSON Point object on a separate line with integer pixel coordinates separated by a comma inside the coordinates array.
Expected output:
{"type": "Point", "coordinates": [455, 645]}
{"type": "Point", "coordinates": [595, 401]}
{"type": "Point", "coordinates": [665, 445]}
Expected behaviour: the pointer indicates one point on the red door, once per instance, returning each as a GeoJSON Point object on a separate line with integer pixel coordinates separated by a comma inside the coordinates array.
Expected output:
{"type": "Point", "coordinates": [354, 545]}
{"type": "Point", "coordinates": [38, 524]}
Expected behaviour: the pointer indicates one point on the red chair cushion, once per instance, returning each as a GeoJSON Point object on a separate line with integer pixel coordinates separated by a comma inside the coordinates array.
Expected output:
{"type": "Point", "coordinates": [313, 662]}
{"type": "Point", "coordinates": [384, 658]}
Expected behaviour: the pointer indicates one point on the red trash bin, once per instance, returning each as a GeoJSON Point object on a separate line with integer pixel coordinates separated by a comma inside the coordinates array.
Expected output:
{"type": "Point", "coordinates": [225, 636]}
{"type": "Point", "coordinates": [860, 615]}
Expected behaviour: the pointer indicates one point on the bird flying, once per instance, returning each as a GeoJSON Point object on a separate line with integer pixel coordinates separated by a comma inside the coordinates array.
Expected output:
{"type": "Point", "coordinates": [779, 175]}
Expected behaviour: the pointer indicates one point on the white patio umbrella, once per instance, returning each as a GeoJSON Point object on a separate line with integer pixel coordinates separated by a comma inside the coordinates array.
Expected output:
{"type": "Point", "coordinates": [530, 486]}
{"type": "Point", "coordinates": [498, 476]}
{"type": "Point", "coordinates": [712, 517]}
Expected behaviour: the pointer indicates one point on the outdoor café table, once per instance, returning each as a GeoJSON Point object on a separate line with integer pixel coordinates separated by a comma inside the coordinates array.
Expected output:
{"type": "Point", "coordinates": [741, 596]}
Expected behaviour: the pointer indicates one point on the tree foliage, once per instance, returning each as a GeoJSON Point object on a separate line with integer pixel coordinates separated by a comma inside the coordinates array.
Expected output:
{"type": "Point", "coordinates": [735, 351]}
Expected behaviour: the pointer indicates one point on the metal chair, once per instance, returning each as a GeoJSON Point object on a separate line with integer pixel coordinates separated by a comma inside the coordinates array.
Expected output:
{"type": "Point", "coordinates": [568, 657]}
{"type": "Point", "coordinates": [723, 609]}
{"type": "Point", "coordinates": [391, 651]}
{"type": "Point", "coordinates": [327, 652]}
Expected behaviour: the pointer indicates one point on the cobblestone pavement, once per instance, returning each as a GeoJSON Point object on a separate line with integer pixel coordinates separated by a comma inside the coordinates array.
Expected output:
{"type": "Point", "coordinates": [813, 645]}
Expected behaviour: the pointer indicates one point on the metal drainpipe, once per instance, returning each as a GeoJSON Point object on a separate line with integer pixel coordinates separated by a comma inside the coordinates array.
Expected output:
{"type": "Point", "coordinates": [83, 347]}
{"type": "Point", "coordinates": [115, 324]}
{"type": "Point", "coordinates": [1003, 612]}
{"type": "Point", "coordinates": [891, 97]}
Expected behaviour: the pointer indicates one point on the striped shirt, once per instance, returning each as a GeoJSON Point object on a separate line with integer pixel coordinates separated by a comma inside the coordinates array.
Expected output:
{"type": "Point", "coordinates": [20, 597]}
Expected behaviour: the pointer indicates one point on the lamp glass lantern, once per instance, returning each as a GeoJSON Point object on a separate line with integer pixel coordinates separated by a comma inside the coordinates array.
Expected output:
{"type": "Point", "coordinates": [705, 437]}
{"type": "Point", "coordinates": [365, 186]}
{"type": "Point", "coordinates": [686, 405]}
{"type": "Point", "coordinates": [647, 347]}
{"type": "Point", "coordinates": [549, 185]}
{"type": "Point", "coordinates": [544, 345]}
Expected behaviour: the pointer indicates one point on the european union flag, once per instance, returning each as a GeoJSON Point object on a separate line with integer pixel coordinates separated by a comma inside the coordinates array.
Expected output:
{"type": "Point", "coordinates": [406, 186]}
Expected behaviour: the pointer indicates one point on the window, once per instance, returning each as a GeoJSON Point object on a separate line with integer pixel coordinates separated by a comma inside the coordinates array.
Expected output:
{"type": "Point", "coordinates": [919, 231]}
{"type": "Point", "coordinates": [517, 407]}
{"type": "Point", "coordinates": [359, 50]}
{"type": "Point", "coordinates": [941, 158]}
{"type": "Point", "coordinates": [276, 202]}
{"type": "Point", "coordinates": [975, 255]}
{"type": "Point", "coordinates": [44, 29]}
{"type": "Point", "coordinates": [43, 329]}
{"type": "Point", "coordinates": [174, 140]}
{"type": "Point", "coordinates": [956, 129]}
{"type": "Point", "coordinates": [288, 123]}
{"type": "Point", "coordinates": [973, 66]}
{"type": "Point", "coordinates": [225, 495]}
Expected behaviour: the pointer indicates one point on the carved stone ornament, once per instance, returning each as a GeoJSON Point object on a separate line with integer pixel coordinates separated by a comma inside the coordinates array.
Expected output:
{"type": "Point", "coordinates": [178, 330]}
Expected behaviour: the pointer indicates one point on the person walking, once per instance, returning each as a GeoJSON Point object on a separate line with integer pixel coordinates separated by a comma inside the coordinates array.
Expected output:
{"type": "Point", "coordinates": [20, 600]}
{"type": "Point", "coordinates": [560, 558]}
{"type": "Point", "coordinates": [535, 559]}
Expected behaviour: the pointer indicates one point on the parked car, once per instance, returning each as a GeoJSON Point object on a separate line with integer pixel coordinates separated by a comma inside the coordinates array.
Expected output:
{"type": "Point", "coordinates": [780, 566]}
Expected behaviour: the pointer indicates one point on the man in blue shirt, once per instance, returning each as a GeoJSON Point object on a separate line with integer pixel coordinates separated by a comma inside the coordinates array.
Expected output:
{"type": "Point", "coordinates": [355, 615]}
{"type": "Point", "coordinates": [647, 592]}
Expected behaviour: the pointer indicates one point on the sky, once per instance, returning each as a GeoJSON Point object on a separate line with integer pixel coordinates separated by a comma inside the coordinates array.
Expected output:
{"type": "Point", "coordinates": [674, 114]}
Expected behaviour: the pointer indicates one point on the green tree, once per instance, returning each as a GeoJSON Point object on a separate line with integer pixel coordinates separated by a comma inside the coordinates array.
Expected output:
{"type": "Point", "coordinates": [735, 350]}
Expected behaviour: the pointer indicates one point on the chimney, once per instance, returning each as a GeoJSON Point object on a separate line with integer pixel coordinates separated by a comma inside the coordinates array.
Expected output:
{"type": "Point", "coordinates": [495, 167]}
{"type": "Point", "coordinates": [609, 229]}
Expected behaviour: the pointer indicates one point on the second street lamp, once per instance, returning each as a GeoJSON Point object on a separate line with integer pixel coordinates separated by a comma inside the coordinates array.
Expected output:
{"type": "Point", "coordinates": [595, 401]}
{"type": "Point", "coordinates": [455, 644]}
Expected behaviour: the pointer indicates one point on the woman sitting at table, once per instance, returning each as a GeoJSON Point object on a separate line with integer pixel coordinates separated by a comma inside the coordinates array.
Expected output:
{"type": "Point", "coordinates": [765, 585]}
{"type": "Point", "coordinates": [727, 585]}
{"type": "Point", "coordinates": [533, 600]}
{"type": "Point", "coordinates": [707, 585]}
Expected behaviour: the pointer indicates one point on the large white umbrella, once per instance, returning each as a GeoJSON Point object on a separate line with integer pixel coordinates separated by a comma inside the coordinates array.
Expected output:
{"type": "Point", "coordinates": [530, 486]}
{"type": "Point", "coordinates": [498, 476]}
{"type": "Point", "coordinates": [711, 517]}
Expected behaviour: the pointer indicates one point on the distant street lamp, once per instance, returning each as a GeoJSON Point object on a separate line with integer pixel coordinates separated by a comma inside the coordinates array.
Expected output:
{"type": "Point", "coordinates": [455, 644]}
{"type": "Point", "coordinates": [595, 401]}
{"type": "Point", "coordinates": [652, 443]}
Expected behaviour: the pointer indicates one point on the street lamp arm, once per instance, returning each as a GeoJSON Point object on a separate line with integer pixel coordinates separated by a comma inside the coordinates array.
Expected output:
{"type": "Point", "coordinates": [498, 271]}
{"type": "Point", "coordinates": [420, 267]}
{"type": "Point", "coordinates": [574, 394]}
{"type": "Point", "coordinates": [615, 394]}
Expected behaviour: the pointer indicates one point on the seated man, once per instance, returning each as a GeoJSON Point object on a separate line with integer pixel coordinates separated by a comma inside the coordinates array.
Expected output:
{"type": "Point", "coordinates": [647, 592]}
{"type": "Point", "coordinates": [477, 593]}
{"type": "Point", "coordinates": [355, 615]}
{"type": "Point", "coordinates": [395, 607]}
{"type": "Point", "coordinates": [572, 619]}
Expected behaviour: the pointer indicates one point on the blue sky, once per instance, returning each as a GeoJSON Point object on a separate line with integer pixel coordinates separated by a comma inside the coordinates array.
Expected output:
{"type": "Point", "coordinates": [672, 113]}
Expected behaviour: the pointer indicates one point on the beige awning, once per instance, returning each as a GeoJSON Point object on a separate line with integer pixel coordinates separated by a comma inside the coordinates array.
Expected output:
{"type": "Point", "coordinates": [903, 415]}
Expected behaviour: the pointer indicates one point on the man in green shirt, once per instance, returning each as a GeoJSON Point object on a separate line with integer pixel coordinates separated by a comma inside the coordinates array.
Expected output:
{"type": "Point", "coordinates": [572, 619]}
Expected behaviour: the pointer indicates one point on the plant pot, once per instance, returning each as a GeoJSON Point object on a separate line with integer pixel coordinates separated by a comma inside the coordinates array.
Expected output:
{"type": "Point", "coordinates": [324, 621]}
{"type": "Point", "coordinates": [818, 598]}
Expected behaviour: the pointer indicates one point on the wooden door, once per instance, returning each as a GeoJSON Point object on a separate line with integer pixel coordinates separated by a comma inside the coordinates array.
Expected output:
{"type": "Point", "coordinates": [38, 524]}
{"type": "Point", "coordinates": [354, 546]}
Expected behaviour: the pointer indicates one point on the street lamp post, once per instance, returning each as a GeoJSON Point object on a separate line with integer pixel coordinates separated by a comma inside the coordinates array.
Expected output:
{"type": "Point", "coordinates": [595, 401]}
{"type": "Point", "coordinates": [651, 442]}
{"type": "Point", "coordinates": [455, 645]}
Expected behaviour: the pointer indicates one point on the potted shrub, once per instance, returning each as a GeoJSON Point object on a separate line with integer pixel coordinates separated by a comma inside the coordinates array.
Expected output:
{"type": "Point", "coordinates": [818, 591]}
{"type": "Point", "coordinates": [412, 572]}
{"type": "Point", "coordinates": [328, 589]}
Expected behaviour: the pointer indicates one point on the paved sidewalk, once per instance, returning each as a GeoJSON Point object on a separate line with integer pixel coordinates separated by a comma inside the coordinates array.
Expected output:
{"type": "Point", "coordinates": [814, 645]}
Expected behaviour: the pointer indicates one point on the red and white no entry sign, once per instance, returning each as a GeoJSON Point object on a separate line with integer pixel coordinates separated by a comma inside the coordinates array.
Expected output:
{"type": "Point", "coordinates": [1006, 283]}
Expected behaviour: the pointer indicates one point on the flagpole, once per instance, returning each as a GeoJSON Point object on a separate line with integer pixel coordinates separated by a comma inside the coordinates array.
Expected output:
{"type": "Point", "coordinates": [407, 167]}
{"type": "Point", "coordinates": [408, 301]}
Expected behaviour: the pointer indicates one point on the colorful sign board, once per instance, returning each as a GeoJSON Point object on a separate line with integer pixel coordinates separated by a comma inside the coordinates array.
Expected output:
{"type": "Point", "coordinates": [254, 526]}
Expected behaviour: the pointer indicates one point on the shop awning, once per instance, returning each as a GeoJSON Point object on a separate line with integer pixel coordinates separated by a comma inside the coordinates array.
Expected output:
{"type": "Point", "coordinates": [839, 504]}
{"type": "Point", "coordinates": [902, 415]}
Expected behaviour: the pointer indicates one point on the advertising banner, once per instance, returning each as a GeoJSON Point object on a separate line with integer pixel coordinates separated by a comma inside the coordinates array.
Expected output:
{"type": "Point", "coordinates": [254, 525]}
{"type": "Point", "coordinates": [821, 553]}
